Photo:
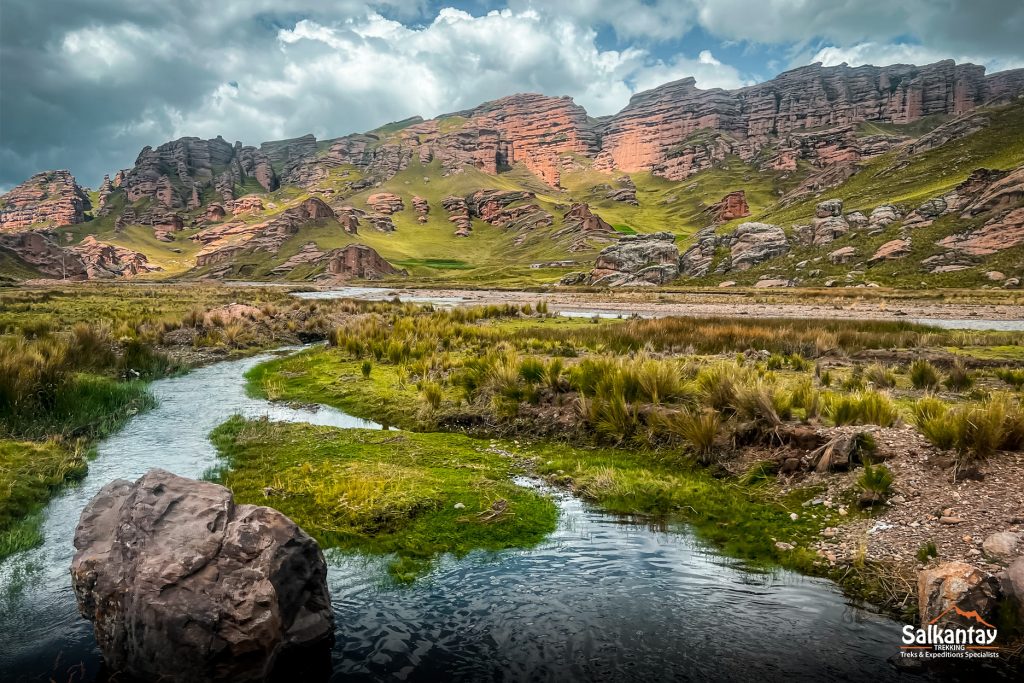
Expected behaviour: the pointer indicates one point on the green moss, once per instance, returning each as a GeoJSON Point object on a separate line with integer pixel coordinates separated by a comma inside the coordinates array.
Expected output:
{"type": "Point", "coordinates": [379, 492]}
{"type": "Point", "coordinates": [29, 474]}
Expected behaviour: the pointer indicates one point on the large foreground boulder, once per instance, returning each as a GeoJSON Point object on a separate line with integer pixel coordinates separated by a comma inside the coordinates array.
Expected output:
{"type": "Point", "coordinates": [181, 584]}
{"type": "Point", "coordinates": [637, 260]}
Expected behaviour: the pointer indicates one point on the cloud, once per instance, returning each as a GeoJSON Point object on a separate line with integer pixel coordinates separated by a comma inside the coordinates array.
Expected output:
{"type": "Point", "coordinates": [87, 83]}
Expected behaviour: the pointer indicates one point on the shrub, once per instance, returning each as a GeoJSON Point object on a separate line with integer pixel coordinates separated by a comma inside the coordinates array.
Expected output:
{"type": "Point", "coordinates": [659, 381]}
{"type": "Point", "coordinates": [553, 373]}
{"type": "Point", "coordinates": [868, 407]}
{"type": "Point", "coordinates": [927, 551]}
{"type": "Point", "coordinates": [958, 378]}
{"type": "Point", "coordinates": [717, 386]}
{"type": "Point", "coordinates": [923, 375]}
{"type": "Point", "coordinates": [805, 396]}
{"type": "Point", "coordinates": [760, 403]}
{"type": "Point", "coordinates": [431, 393]}
{"type": "Point", "coordinates": [697, 429]}
{"type": "Point", "coordinates": [531, 370]}
{"type": "Point", "coordinates": [875, 479]}
{"type": "Point", "coordinates": [366, 368]}
{"type": "Point", "coordinates": [1014, 377]}
{"type": "Point", "coordinates": [881, 376]}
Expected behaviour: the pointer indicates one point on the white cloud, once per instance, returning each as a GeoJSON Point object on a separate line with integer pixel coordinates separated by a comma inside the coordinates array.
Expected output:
{"type": "Point", "coordinates": [902, 53]}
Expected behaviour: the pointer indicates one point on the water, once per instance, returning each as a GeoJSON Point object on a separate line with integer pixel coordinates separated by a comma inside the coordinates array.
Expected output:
{"type": "Point", "coordinates": [602, 599]}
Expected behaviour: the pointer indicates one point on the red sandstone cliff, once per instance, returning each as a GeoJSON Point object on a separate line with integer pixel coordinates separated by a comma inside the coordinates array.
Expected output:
{"type": "Point", "coordinates": [47, 199]}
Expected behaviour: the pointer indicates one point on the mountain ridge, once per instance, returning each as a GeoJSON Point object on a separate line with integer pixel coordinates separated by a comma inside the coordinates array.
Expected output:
{"type": "Point", "coordinates": [542, 159]}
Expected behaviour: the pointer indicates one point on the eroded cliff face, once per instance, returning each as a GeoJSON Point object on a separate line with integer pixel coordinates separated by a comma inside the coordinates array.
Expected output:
{"type": "Point", "coordinates": [47, 199]}
{"type": "Point", "coordinates": [176, 174]}
{"type": "Point", "coordinates": [678, 129]}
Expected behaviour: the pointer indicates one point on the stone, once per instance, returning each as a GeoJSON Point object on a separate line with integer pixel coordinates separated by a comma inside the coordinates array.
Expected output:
{"type": "Point", "coordinates": [422, 208]}
{"type": "Point", "coordinates": [385, 203]}
{"type": "Point", "coordinates": [995, 276]}
{"type": "Point", "coordinates": [945, 591]}
{"type": "Point", "coordinates": [829, 208]}
{"type": "Point", "coordinates": [1002, 546]}
{"type": "Point", "coordinates": [637, 260]}
{"type": "Point", "coordinates": [1012, 585]}
{"type": "Point", "coordinates": [727, 283]}
{"type": "Point", "coordinates": [696, 260]}
{"type": "Point", "coordinates": [950, 521]}
{"type": "Point", "coordinates": [731, 206]}
{"type": "Point", "coordinates": [359, 261]}
{"type": "Point", "coordinates": [882, 216]}
{"type": "Point", "coordinates": [783, 546]}
{"type": "Point", "coordinates": [843, 255]}
{"type": "Point", "coordinates": [890, 251]}
{"type": "Point", "coordinates": [103, 260]}
{"type": "Point", "coordinates": [46, 200]}
{"type": "Point", "coordinates": [180, 582]}
{"type": "Point", "coordinates": [772, 282]}
{"type": "Point", "coordinates": [582, 225]}
{"type": "Point", "coordinates": [754, 243]}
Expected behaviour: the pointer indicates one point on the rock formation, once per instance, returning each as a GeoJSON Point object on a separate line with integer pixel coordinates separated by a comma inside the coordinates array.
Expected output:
{"type": "Point", "coordinates": [637, 260]}
{"type": "Point", "coordinates": [422, 209]}
{"type": "Point", "coordinates": [953, 586]}
{"type": "Point", "coordinates": [458, 213]}
{"type": "Point", "coordinates": [678, 129]}
{"type": "Point", "coordinates": [39, 251]}
{"type": "Point", "coordinates": [47, 199]}
{"type": "Point", "coordinates": [176, 173]}
{"type": "Point", "coordinates": [385, 203]}
{"type": "Point", "coordinates": [754, 243]}
{"type": "Point", "coordinates": [183, 584]}
{"type": "Point", "coordinates": [104, 260]}
{"type": "Point", "coordinates": [731, 206]}
{"type": "Point", "coordinates": [358, 261]}
{"type": "Point", "coordinates": [582, 224]}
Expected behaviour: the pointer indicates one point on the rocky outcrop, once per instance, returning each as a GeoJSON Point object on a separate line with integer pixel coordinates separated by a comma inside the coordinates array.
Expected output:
{"type": "Point", "coordinates": [104, 260]}
{"type": "Point", "coordinates": [957, 593]}
{"type": "Point", "coordinates": [422, 209]}
{"type": "Point", "coordinates": [754, 243]}
{"type": "Point", "coordinates": [49, 199]}
{"type": "Point", "coordinates": [730, 207]}
{"type": "Point", "coordinates": [890, 251]}
{"type": "Point", "coordinates": [458, 213]}
{"type": "Point", "coordinates": [626, 191]}
{"type": "Point", "coordinates": [176, 173]}
{"type": "Point", "coordinates": [385, 203]}
{"type": "Point", "coordinates": [696, 261]}
{"type": "Point", "coordinates": [248, 204]}
{"type": "Point", "coordinates": [678, 129]}
{"type": "Point", "coordinates": [224, 242]}
{"type": "Point", "coordinates": [503, 209]}
{"type": "Point", "coordinates": [39, 251]}
{"type": "Point", "coordinates": [358, 261]}
{"type": "Point", "coordinates": [349, 217]}
{"type": "Point", "coordinates": [637, 260]}
{"type": "Point", "coordinates": [842, 256]}
{"type": "Point", "coordinates": [183, 584]}
{"type": "Point", "coordinates": [582, 225]}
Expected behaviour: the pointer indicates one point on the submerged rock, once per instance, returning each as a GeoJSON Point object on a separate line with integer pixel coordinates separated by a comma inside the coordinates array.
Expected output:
{"type": "Point", "coordinates": [182, 584]}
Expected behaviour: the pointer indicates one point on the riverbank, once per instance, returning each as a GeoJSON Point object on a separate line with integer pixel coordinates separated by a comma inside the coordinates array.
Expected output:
{"type": "Point", "coordinates": [527, 378]}
{"type": "Point", "coordinates": [859, 304]}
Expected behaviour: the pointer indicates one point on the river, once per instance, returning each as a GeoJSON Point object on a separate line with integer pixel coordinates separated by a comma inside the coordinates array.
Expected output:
{"type": "Point", "coordinates": [603, 598]}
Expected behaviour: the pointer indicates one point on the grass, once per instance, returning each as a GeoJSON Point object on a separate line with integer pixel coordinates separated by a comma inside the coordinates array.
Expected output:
{"type": "Point", "coordinates": [29, 474]}
{"type": "Point", "coordinates": [412, 496]}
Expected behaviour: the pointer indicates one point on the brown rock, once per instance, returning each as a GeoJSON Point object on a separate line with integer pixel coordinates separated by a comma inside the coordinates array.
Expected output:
{"type": "Point", "coordinates": [843, 255]}
{"type": "Point", "coordinates": [754, 243]}
{"type": "Point", "coordinates": [950, 592]}
{"type": "Point", "coordinates": [183, 584]}
{"type": "Point", "coordinates": [48, 199]}
{"type": "Point", "coordinates": [245, 205]}
{"type": "Point", "coordinates": [385, 203]}
{"type": "Point", "coordinates": [104, 260]}
{"type": "Point", "coordinates": [40, 252]}
{"type": "Point", "coordinates": [582, 224]}
{"type": "Point", "coordinates": [422, 208]}
{"type": "Point", "coordinates": [359, 261]}
{"type": "Point", "coordinates": [458, 213]}
{"type": "Point", "coordinates": [891, 250]}
{"type": "Point", "coordinates": [731, 206]}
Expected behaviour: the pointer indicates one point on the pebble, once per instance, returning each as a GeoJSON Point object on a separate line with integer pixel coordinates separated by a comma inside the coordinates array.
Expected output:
{"type": "Point", "coordinates": [782, 545]}
{"type": "Point", "coordinates": [950, 520]}
{"type": "Point", "coordinates": [460, 506]}
{"type": "Point", "coordinates": [793, 516]}
{"type": "Point", "coordinates": [842, 512]}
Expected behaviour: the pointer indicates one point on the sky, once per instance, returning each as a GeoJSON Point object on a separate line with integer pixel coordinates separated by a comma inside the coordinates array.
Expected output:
{"type": "Point", "coordinates": [85, 84]}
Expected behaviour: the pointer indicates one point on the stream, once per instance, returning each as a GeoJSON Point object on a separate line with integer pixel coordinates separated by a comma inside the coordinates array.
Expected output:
{"type": "Point", "coordinates": [603, 598]}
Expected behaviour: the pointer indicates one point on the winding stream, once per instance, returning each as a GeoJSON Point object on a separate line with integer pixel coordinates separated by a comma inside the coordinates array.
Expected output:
{"type": "Point", "coordinates": [602, 599]}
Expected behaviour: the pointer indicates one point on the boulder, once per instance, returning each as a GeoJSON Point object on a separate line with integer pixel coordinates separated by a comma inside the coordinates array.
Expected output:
{"type": "Point", "coordinates": [890, 251]}
{"type": "Point", "coordinates": [772, 282]}
{"type": "Point", "coordinates": [385, 203]}
{"type": "Point", "coordinates": [422, 209]}
{"type": "Point", "coordinates": [1002, 546]}
{"type": "Point", "coordinates": [856, 220]}
{"type": "Point", "coordinates": [829, 208]}
{"type": "Point", "coordinates": [182, 584]}
{"type": "Point", "coordinates": [754, 243]}
{"type": "Point", "coordinates": [103, 260]}
{"type": "Point", "coordinates": [1011, 582]}
{"type": "Point", "coordinates": [826, 230]}
{"type": "Point", "coordinates": [696, 260]}
{"type": "Point", "coordinates": [359, 261]}
{"type": "Point", "coordinates": [883, 215]}
{"type": "Point", "coordinates": [843, 255]}
{"type": "Point", "coordinates": [458, 214]}
{"type": "Point", "coordinates": [582, 225]}
{"type": "Point", "coordinates": [950, 589]}
{"type": "Point", "coordinates": [638, 260]}
{"type": "Point", "coordinates": [731, 206]}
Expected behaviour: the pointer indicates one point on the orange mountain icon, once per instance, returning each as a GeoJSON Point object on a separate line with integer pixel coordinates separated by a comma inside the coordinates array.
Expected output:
{"type": "Point", "coordinates": [973, 614]}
